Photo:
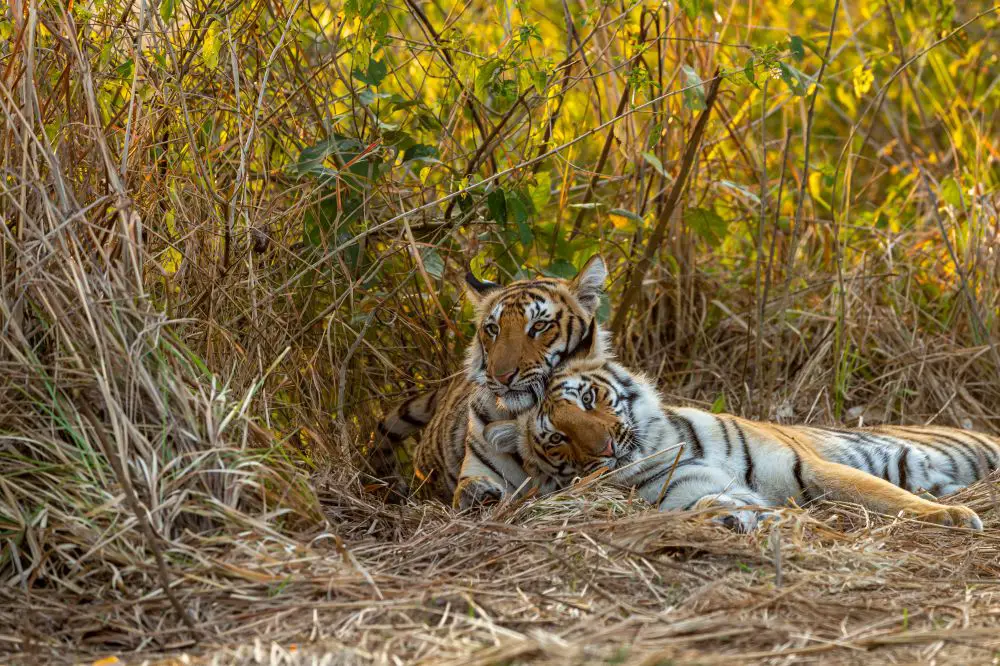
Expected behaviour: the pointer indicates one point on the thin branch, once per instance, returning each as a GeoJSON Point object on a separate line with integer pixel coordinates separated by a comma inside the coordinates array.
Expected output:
{"type": "Point", "coordinates": [638, 273]}
{"type": "Point", "coordinates": [807, 138]}
{"type": "Point", "coordinates": [610, 139]}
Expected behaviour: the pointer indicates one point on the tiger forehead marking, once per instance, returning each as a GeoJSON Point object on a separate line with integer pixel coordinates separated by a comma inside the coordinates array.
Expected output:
{"type": "Point", "coordinates": [528, 305]}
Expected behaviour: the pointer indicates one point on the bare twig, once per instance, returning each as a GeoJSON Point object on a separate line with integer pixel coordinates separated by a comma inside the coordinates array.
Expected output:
{"type": "Point", "coordinates": [638, 270]}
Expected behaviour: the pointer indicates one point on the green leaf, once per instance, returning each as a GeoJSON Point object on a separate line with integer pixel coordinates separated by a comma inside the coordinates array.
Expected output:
{"type": "Point", "coordinates": [380, 24]}
{"type": "Point", "coordinates": [401, 102]}
{"type": "Point", "coordinates": [797, 82]}
{"type": "Point", "coordinates": [951, 192]}
{"type": "Point", "coordinates": [719, 405]}
{"type": "Point", "coordinates": [541, 190]}
{"type": "Point", "coordinates": [359, 8]}
{"type": "Point", "coordinates": [125, 70]}
{"type": "Point", "coordinates": [358, 177]}
{"type": "Point", "coordinates": [814, 47]}
{"type": "Point", "coordinates": [325, 223]}
{"type": "Point", "coordinates": [375, 73]}
{"type": "Point", "coordinates": [621, 212]}
{"type": "Point", "coordinates": [516, 207]}
{"type": "Point", "coordinates": [427, 120]}
{"type": "Point", "coordinates": [526, 236]}
{"type": "Point", "coordinates": [397, 139]}
{"type": "Point", "coordinates": [539, 79]}
{"type": "Point", "coordinates": [707, 224]}
{"type": "Point", "coordinates": [528, 32]}
{"type": "Point", "coordinates": [655, 162]}
{"type": "Point", "coordinates": [433, 263]}
{"type": "Point", "coordinates": [484, 77]}
{"type": "Point", "coordinates": [420, 151]}
{"type": "Point", "coordinates": [796, 46]}
{"type": "Point", "coordinates": [694, 91]}
{"type": "Point", "coordinates": [691, 7]}
{"type": "Point", "coordinates": [749, 73]}
{"type": "Point", "coordinates": [560, 268]}
{"type": "Point", "coordinates": [497, 205]}
{"type": "Point", "coordinates": [167, 9]}
{"type": "Point", "coordinates": [728, 184]}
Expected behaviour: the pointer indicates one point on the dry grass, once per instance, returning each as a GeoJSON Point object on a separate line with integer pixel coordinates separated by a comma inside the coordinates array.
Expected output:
{"type": "Point", "coordinates": [582, 577]}
{"type": "Point", "coordinates": [198, 331]}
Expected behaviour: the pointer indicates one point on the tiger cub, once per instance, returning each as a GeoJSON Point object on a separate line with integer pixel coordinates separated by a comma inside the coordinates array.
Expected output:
{"type": "Point", "coordinates": [596, 414]}
{"type": "Point", "coordinates": [524, 331]}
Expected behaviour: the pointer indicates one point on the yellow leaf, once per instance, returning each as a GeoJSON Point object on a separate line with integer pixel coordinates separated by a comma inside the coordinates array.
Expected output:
{"type": "Point", "coordinates": [171, 262]}
{"type": "Point", "coordinates": [619, 221]}
{"type": "Point", "coordinates": [815, 184]}
{"type": "Point", "coordinates": [863, 79]}
{"type": "Point", "coordinates": [211, 46]}
{"type": "Point", "coordinates": [107, 661]}
{"type": "Point", "coordinates": [845, 98]}
{"type": "Point", "coordinates": [478, 263]}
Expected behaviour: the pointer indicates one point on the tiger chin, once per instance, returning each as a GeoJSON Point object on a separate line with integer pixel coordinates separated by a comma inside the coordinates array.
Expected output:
{"type": "Point", "coordinates": [596, 414]}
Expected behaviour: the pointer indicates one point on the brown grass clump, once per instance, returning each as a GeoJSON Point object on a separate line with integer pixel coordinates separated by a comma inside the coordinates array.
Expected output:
{"type": "Point", "coordinates": [233, 234]}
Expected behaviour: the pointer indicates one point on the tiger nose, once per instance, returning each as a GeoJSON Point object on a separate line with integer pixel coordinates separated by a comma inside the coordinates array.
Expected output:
{"type": "Point", "coordinates": [506, 378]}
{"type": "Point", "coordinates": [607, 451]}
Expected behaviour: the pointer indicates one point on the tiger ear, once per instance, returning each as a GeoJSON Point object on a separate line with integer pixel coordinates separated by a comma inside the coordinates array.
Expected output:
{"type": "Point", "coordinates": [588, 285]}
{"type": "Point", "coordinates": [503, 436]}
{"type": "Point", "coordinates": [476, 288]}
{"type": "Point", "coordinates": [589, 345]}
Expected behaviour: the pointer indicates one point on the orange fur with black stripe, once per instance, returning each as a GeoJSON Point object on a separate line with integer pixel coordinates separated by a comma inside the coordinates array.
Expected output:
{"type": "Point", "coordinates": [524, 331]}
{"type": "Point", "coordinates": [596, 414]}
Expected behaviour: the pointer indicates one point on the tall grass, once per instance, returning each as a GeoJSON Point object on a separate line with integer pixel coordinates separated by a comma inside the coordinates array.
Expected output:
{"type": "Point", "coordinates": [234, 233]}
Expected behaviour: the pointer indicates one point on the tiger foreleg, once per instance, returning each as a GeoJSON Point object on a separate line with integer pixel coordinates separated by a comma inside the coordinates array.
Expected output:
{"type": "Point", "coordinates": [488, 475]}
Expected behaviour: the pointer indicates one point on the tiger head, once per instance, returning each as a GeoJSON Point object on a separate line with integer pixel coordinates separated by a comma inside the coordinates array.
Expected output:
{"type": "Point", "coordinates": [595, 414]}
{"type": "Point", "coordinates": [526, 329]}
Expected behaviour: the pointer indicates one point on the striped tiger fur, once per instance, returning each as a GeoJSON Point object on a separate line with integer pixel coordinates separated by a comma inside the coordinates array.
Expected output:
{"type": "Point", "coordinates": [523, 332]}
{"type": "Point", "coordinates": [598, 414]}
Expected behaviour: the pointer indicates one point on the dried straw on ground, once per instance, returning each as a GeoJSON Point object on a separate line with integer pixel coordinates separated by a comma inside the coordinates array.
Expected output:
{"type": "Point", "coordinates": [582, 577]}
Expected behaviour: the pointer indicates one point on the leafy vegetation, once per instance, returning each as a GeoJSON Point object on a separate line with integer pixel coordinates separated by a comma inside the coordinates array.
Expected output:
{"type": "Point", "coordinates": [235, 233]}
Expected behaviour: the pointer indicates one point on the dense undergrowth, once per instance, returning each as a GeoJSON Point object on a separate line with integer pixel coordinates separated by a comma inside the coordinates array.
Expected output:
{"type": "Point", "coordinates": [234, 233]}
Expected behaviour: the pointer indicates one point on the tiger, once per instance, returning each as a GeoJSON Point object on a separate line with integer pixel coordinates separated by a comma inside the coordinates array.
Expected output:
{"type": "Point", "coordinates": [524, 331]}
{"type": "Point", "coordinates": [597, 414]}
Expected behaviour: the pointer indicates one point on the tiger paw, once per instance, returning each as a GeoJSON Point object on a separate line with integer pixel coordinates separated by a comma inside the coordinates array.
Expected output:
{"type": "Point", "coordinates": [476, 491]}
{"type": "Point", "coordinates": [954, 516]}
{"type": "Point", "coordinates": [733, 515]}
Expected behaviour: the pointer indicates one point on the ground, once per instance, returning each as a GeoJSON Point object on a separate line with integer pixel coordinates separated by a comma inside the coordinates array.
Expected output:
{"type": "Point", "coordinates": [589, 576]}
